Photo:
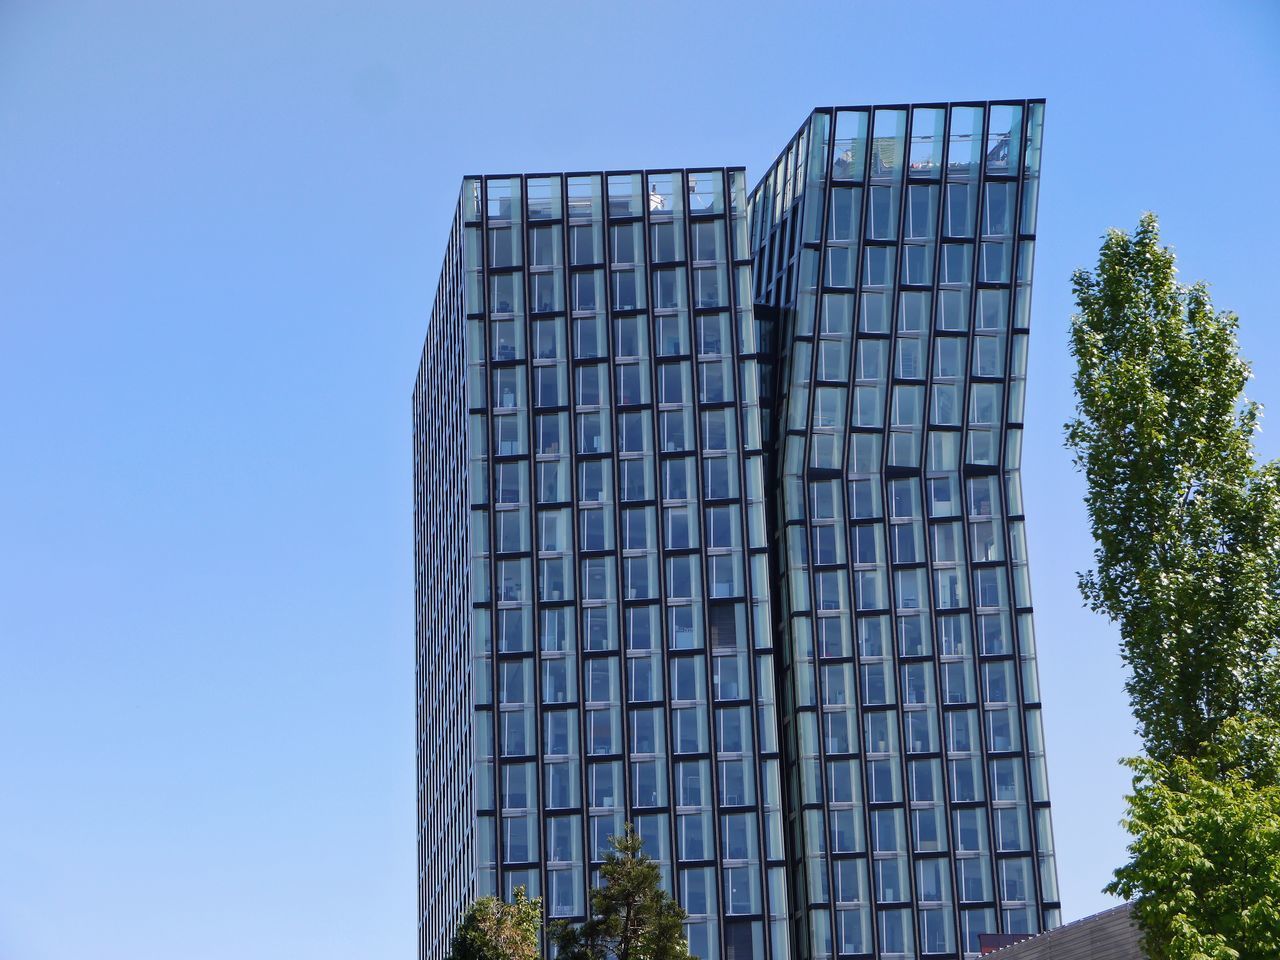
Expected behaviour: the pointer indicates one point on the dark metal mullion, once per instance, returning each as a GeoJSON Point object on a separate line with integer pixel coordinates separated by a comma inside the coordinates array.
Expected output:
{"type": "Point", "coordinates": [745, 533]}
{"type": "Point", "coordinates": [611, 456]}
{"type": "Point", "coordinates": [611, 410]}
{"type": "Point", "coordinates": [792, 814]}
{"type": "Point", "coordinates": [535, 603]}
{"type": "Point", "coordinates": [1015, 628]}
{"type": "Point", "coordinates": [858, 245]}
{"type": "Point", "coordinates": [945, 785]}
{"type": "Point", "coordinates": [887, 513]}
{"type": "Point", "coordinates": [966, 474]}
{"type": "Point", "coordinates": [655, 459]}
{"type": "Point", "coordinates": [579, 649]}
{"type": "Point", "coordinates": [495, 705]}
{"type": "Point", "coordinates": [695, 384]}
{"type": "Point", "coordinates": [797, 228]}
{"type": "Point", "coordinates": [1005, 539]}
{"type": "Point", "coordinates": [900, 712]}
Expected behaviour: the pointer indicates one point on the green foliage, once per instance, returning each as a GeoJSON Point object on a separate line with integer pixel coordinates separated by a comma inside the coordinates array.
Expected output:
{"type": "Point", "coordinates": [1205, 859]}
{"type": "Point", "coordinates": [495, 930]}
{"type": "Point", "coordinates": [632, 917]}
{"type": "Point", "coordinates": [1188, 565]}
{"type": "Point", "coordinates": [1187, 525]}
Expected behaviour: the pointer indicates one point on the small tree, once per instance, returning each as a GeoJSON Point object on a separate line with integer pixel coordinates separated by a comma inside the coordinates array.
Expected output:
{"type": "Point", "coordinates": [495, 930]}
{"type": "Point", "coordinates": [1187, 525]}
{"type": "Point", "coordinates": [632, 917]}
{"type": "Point", "coordinates": [1205, 859]}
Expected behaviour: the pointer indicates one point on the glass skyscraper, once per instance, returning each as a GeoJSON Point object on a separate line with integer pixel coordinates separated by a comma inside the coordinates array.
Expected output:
{"type": "Point", "coordinates": [893, 250]}
{"type": "Point", "coordinates": [753, 580]}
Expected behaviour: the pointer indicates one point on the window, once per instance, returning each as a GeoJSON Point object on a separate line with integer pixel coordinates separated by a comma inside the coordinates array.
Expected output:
{"type": "Point", "coordinates": [715, 381]}
{"type": "Point", "coordinates": [681, 577]}
{"type": "Point", "coordinates": [591, 433]}
{"type": "Point", "coordinates": [631, 384]}
{"type": "Point", "coordinates": [958, 217]}
{"type": "Point", "coordinates": [882, 213]}
{"type": "Point", "coordinates": [635, 529]}
{"type": "Point", "coordinates": [586, 290]}
{"type": "Point", "coordinates": [676, 480]}
{"type": "Point", "coordinates": [667, 244]}
{"type": "Point", "coordinates": [879, 267]}
{"type": "Point", "coordinates": [544, 250]}
{"type": "Point", "coordinates": [681, 524]}
{"type": "Point", "coordinates": [624, 243]}
{"type": "Point", "coordinates": [671, 383]}
{"type": "Point", "coordinates": [597, 578]}
{"type": "Point", "coordinates": [584, 244]}
{"type": "Point", "coordinates": [721, 477]}
{"type": "Point", "coordinates": [601, 732]}
{"type": "Point", "coordinates": [548, 339]}
{"type": "Point", "coordinates": [708, 240]}
{"type": "Point", "coordinates": [845, 204]}
{"type": "Point", "coordinates": [561, 733]}
{"type": "Point", "coordinates": [557, 682]}
{"type": "Point", "coordinates": [997, 211]}
{"type": "Point", "coordinates": [562, 785]}
{"type": "Point", "coordinates": [922, 205]}
{"type": "Point", "coordinates": [734, 729]}
{"type": "Point", "coordinates": [634, 479]}
{"type": "Point", "coordinates": [593, 481]}
{"type": "Point", "coordinates": [594, 536]}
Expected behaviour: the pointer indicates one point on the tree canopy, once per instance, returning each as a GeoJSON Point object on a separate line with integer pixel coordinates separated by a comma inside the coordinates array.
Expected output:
{"type": "Point", "coordinates": [495, 930]}
{"type": "Point", "coordinates": [1205, 859]}
{"type": "Point", "coordinates": [1187, 525]}
{"type": "Point", "coordinates": [1187, 564]}
{"type": "Point", "coordinates": [632, 917]}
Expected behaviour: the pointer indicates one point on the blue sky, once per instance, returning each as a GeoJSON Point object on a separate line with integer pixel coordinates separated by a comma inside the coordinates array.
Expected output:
{"type": "Point", "coordinates": [221, 223]}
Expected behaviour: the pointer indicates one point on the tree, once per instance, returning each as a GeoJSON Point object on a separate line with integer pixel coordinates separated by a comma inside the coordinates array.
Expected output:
{"type": "Point", "coordinates": [1187, 564]}
{"type": "Point", "coordinates": [632, 917]}
{"type": "Point", "coordinates": [1187, 525]}
{"type": "Point", "coordinates": [1205, 859]}
{"type": "Point", "coordinates": [495, 930]}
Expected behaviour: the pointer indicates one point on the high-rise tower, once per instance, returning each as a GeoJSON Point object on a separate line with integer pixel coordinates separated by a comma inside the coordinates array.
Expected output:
{"type": "Point", "coordinates": [594, 629]}
{"type": "Point", "coordinates": [893, 250]}
{"type": "Point", "coordinates": [752, 580]}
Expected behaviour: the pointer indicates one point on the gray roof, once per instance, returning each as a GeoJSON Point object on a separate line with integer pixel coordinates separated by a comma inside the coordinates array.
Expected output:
{"type": "Point", "coordinates": [1110, 935]}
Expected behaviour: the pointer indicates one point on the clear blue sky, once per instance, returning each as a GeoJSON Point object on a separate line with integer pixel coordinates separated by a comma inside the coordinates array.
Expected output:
{"type": "Point", "coordinates": [221, 223]}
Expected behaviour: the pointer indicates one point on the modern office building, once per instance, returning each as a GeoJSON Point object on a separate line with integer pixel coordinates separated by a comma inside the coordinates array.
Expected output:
{"type": "Point", "coordinates": [893, 250]}
{"type": "Point", "coordinates": [594, 627]}
{"type": "Point", "coordinates": [751, 580]}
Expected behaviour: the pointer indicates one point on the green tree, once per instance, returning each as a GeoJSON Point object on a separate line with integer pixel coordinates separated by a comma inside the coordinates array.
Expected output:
{"type": "Point", "coordinates": [1187, 564]}
{"type": "Point", "coordinates": [632, 917]}
{"type": "Point", "coordinates": [492, 929]}
{"type": "Point", "coordinates": [1205, 859]}
{"type": "Point", "coordinates": [1187, 525]}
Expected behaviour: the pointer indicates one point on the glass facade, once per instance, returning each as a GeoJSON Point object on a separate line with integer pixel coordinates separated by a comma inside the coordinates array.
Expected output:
{"type": "Point", "coordinates": [750, 578]}
{"type": "Point", "coordinates": [616, 633]}
{"type": "Point", "coordinates": [893, 250]}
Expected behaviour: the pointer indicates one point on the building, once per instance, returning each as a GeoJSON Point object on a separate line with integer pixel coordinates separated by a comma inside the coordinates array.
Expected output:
{"type": "Point", "coordinates": [594, 635]}
{"type": "Point", "coordinates": [654, 579]}
{"type": "Point", "coordinates": [893, 250]}
{"type": "Point", "coordinates": [1110, 935]}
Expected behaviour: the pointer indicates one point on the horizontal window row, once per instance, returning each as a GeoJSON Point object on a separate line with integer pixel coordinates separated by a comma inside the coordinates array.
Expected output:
{"type": "Point", "coordinates": [586, 197]}
{"type": "Point", "coordinates": [628, 289]}
{"type": "Point", "coordinates": [631, 383]}
{"type": "Point", "coordinates": [543, 247]}
{"type": "Point", "coordinates": [920, 214]}
{"type": "Point", "coordinates": [635, 337]}
{"type": "Point", "coordinates": [688, 626]}
{"type": "Point", "coordinates": [681, 479]}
